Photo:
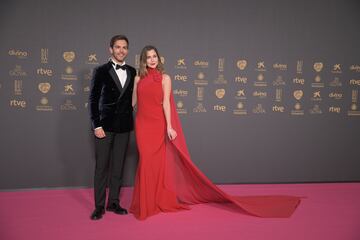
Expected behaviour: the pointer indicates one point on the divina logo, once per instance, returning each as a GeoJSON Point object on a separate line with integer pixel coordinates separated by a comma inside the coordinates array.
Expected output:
{"type": "Point", "coordinates": [260, 94]}
{"type": "Point", "coordinates": [280, 66]}
{"type": "Point", "coordinates": [203, 64]}
{"type": "Point", "coordinates": [18, 53]}
{"type": "Point", "coordinates": [335, 95]}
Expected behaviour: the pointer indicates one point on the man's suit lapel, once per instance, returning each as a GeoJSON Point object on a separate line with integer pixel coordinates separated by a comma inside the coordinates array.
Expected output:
{"type": "Point", "coordinates": [115, 77]}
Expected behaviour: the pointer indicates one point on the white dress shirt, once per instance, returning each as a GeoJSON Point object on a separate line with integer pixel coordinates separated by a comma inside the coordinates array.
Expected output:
{"type": "Point", "coordinates": [120, 73]}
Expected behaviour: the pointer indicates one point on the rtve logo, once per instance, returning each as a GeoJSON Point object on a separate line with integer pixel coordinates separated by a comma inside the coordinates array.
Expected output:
{"type": "Point", "coordinates": [43, 71]}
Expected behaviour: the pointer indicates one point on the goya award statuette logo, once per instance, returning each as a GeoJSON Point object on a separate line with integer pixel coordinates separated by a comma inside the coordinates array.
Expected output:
{"type": "Point", "coordinates": [318, 66]}
{"type": "Point", "coordinates": [298, 94]}
{"type": "Point", "coordinates": [69, 56]}
{"type": "Point", "coordinates": [241, 64]}
{"type": "Point", "coordinates": [220, 93]}
{"type": "Point", "coordinates": [44, 87]}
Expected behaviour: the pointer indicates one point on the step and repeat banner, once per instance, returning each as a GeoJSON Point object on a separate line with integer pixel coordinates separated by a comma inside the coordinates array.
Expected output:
{"type": "Point", "coordinates": [267, 91]}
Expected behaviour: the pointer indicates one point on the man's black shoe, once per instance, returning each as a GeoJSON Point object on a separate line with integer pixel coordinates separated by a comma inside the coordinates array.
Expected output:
{"type": "Point", "coordinates": [97, 214]}
{"type": "Point", "coordinates": [116, 209]}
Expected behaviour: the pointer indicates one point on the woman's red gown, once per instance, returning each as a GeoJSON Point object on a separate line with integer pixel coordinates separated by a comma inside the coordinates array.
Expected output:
{"type": "Point", "coordinates": [166, 178]}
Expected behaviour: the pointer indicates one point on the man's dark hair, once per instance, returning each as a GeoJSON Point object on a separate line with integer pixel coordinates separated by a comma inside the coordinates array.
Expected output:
{"type": "Point", "coordinates": [118, 37]}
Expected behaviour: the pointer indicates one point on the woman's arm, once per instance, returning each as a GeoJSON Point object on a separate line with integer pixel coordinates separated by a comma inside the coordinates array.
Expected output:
{"type": "Point", "coordinates": [166, 83]}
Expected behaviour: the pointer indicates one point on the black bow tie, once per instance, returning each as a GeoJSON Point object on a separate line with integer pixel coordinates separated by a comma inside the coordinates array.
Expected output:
{"type": "Point", "coordinates": [117, 66]}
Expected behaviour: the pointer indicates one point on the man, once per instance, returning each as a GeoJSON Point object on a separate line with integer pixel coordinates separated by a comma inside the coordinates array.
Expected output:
{"type": "Point", "coordinates": [112, 120]}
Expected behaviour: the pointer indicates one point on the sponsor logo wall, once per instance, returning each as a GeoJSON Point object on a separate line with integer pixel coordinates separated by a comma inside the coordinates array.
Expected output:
{"type": "Point", "coordinates": [236, 88]}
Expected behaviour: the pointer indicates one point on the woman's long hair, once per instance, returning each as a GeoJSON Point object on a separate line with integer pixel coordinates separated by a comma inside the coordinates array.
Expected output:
{"type": "Point", "coordinates": [143, 56]}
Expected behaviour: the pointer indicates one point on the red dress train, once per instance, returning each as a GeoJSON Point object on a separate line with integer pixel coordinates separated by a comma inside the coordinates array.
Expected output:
{"type": "Point", "coordinates": [166, 179]}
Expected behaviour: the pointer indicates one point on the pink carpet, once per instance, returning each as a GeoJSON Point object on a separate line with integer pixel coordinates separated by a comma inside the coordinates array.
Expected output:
{"type": "Point", "coordinates": [330, 212]}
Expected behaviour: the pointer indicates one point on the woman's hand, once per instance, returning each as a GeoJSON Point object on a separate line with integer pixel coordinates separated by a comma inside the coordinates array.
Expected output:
{"type": "Point", "coordinates": [171, 133]}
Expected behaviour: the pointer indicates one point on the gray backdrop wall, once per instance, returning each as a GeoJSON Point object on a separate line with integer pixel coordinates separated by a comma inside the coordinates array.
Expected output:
{"type": "Point", "coordinates": [267, 91]}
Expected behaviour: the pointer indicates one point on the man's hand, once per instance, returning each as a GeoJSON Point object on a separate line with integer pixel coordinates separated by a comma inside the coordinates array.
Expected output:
{"type": "Point", "coordinates": [99, 133]}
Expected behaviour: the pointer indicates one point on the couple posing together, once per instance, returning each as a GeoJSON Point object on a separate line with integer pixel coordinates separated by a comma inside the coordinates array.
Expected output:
{"type": "Point", "coordinates": [166, 179]}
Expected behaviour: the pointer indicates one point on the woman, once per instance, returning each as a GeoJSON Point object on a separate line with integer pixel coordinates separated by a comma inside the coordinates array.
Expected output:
{"type": "Point", "coordinates": [166, 179]}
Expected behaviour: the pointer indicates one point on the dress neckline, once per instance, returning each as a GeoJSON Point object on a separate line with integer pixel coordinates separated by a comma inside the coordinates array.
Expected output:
{"type": "Point", "coordinates": [154, 74]}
